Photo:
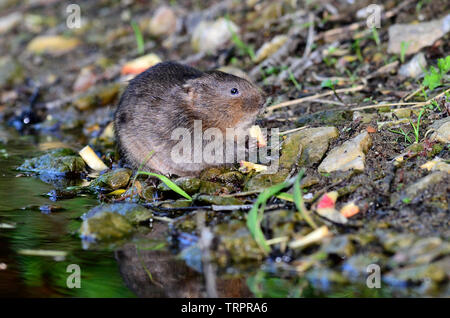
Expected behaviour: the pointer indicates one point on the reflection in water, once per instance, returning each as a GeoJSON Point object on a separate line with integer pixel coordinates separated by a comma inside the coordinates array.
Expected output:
{"type": "Point", "coordinates": [157, 273]}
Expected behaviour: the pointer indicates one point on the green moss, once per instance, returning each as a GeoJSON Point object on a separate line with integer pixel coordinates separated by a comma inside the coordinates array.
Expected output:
{"type": "Point", "coordinates": [263, 181]}
{"type": "Point", "coordinates": [106, 226]}
{"type": "Point", "coordinates": [218, 200]}
{"type": "Point", "coordinates": [58, 161]}
{"type": "Point", "coordinates": [112, 180]}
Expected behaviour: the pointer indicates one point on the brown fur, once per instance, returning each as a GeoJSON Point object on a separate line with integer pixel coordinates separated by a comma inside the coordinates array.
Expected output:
{"type": "Point", "coordinates": [171, 95]}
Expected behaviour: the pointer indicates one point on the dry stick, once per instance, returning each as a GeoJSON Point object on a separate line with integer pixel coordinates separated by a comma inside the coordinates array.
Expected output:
{"type": "Point", "coordinates": [241, 194]}
{"type": "Point", "coordinates": [413, 94]}
{"type": "Point", "coordinates": [382, 70]}
{"type": "Point", "coordinates": [382, 105]}
{"type": "Point", "coordinates": [277, 240]}
{"type": "Point", "coordinates": [163, 219]}
{"type": "Point", "coordinates": [330, 102]}
{"type": "Point", "coordinates": [310, 38]}
{"type": "Point", "coordinates": [292, 130]}
{"type": "Point", "coordinates": [241, 207]}
{"type": "Point", "coordinates": [413, 105]}
{"type": "Point", "coordinates": [312, 97]}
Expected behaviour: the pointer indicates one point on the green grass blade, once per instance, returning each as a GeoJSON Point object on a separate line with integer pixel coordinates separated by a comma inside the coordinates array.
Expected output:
{"type": "Point", "coordinates": [255, 215]}
{"type": "Point", "coordinates": [285, 196]}
{"type": "Point", "coordinates": [167, 182]}
{"type": "Point", "coordinates": [298, 199]}
{"type": "Point", "coordinates": [238, 42]}
{"type": "Point", "coordinates": [139, 37]}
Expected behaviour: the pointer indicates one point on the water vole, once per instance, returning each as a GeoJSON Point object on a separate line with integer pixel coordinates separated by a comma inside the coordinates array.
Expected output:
{"type": "Point", "coordinates": [170, 95]}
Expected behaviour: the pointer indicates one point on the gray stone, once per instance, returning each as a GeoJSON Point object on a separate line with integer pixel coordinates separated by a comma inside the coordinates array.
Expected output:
{"type": "Point", "coordinates": [350, 155]}
{"type": "Point", "coordinates": [419, 186]}
{"type": "Point", "coordinates": [414, 68]}
{"type": "Point", "coordinates": [163, 22]}
{"type": "Point", "coordinates": [314, 142]}
{"type": "Point", "coordinates": [441, 130]}
{"type": "Point", "coordinates": [209, 36]}
{"type": "Point", "coordinates": [416, 36]}
{"type": "Point", "coordinates": [10, 21]}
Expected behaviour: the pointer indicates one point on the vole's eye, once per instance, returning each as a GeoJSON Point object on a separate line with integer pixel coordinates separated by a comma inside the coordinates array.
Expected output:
{"type": "Point", "coordinates": [234, 91]}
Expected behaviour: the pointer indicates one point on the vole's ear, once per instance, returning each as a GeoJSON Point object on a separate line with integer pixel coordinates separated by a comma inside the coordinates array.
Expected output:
{"type": "Point", "coordinates": [191, 93]}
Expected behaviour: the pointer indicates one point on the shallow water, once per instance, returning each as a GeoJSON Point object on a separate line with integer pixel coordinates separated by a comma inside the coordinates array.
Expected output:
{"type": "Point", "coordinates": [43, 276]}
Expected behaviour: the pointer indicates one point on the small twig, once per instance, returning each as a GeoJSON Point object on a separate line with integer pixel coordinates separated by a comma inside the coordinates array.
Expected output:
{"type": "Point", "coordinates": [310, 38]}
{"type": "Point", "coordinates": [382, 105]}
{"type": "Point", "coordinates": [181, 208]}
{"type": "Point", "coordinates": [242, 194]}
{"type": "Point", "coordinates": [243, 207]}
{"type": "Point", "coordinates": [331, 102]}
{"type": "Point", "coordinates": [412, 104]}
{"type": "Point", "coordinates": [412, 94]}
{"type": "Point", "coordinates": [300, 65]}
{"type": "Point", "coordinates": [231, 207]}
{"type": "Point", "coordinates": [292, 130]}
{"type": "Point", "coordinates": [382, 70]}
{"type": "Point", "coordinates": [163, 219]}
{"type": "Point", "coordinates": [277, 240]}
{"type": "Point", "coordinates": [313, 97]}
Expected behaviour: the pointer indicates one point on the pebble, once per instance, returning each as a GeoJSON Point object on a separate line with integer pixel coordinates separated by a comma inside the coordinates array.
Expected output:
{"type": "Point", "coordinates": [350, 155]}
{"type": "Point", "coordinates": [417, 36]}
{"type": "Point", "coordinates": [10, 21]}
{"type": "Point", "coordinates": [402, 112]}
{"type": "Point", "coordinates": [270, 48]}
{"type": "Point", "coordinates": [163, 22]}
{"type": "Point", "coordinates": [52, 44]}
{"type": "Point", "coordinates": [209, 36]}
{"type": "Point", "coordinates": [85, 79]}
{"type": "Point", "coordinates": [437, 164]}
{"type": "Point", "coordinates": [97, 96]}
{"type": "Point", "coordinates": [414, 68]}
{"type": "Point", "coordinates": [441, 130]}
{"type": "Point", "coordinates": [315, 142]}
{"type": "Point", "coordinates": [419, 186]}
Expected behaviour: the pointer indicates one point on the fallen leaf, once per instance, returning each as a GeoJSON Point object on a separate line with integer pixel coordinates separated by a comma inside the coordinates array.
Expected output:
{"type": "Point", "coordinates": [332, 214]}
{"type": "Point", "coordinates": [315, 236]}
{"type": "Point", "coordinates": [255, 132]}
{"type": "Point", "coordinates": [349, 210]}
{"type": "Point", "coordinates": [247, 166]}
{"type": "Point", "coordinates": [328, 200]}
{"type": "Point", "coordinates": [52, 44]}
{"type": "Point", "coordinates": [371, 130]}
{"type": "Point", "coordinates": [140, 64]}
{"type": "Point", "coordinates": [117, 192]}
